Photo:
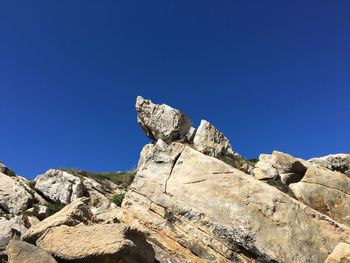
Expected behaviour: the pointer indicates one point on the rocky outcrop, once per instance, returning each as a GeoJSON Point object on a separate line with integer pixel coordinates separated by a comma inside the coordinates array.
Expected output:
{"type": "Point", "coordinates": [340, 254]}
{"type": "Point", "coordinates": [161, 121]}
{"type": "Point", "coordinates": [198, 208]}
{"type": "Point", "coordinates": [335, 162]}
{"type": "Point", "coordinates": [22, 252]}
{"type": "Point", "coordinates": [211, 141]}
{"type": "Point", "coordinates": [73, 214]}
{"type": "Point", "coordinates": [97, 243]}
{"type": "Point", "coordinates": [14, 198]}
{"type": "Point", "coordinates": [8, 229]}
{"type": "Point", "coordinates": [59, 186]}
{"type": "Point", "coordinates": [325, 191]}
{"type": "Point", "coordinates": [281, 166]}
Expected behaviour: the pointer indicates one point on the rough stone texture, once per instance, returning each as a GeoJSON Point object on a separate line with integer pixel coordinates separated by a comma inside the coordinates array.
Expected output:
{"type": "Point", "coordinates": [71, 215]}
{"type": "Point", "coordinates": [340, 254]}
{"type": "Point", "coordinates": [8, 229]}
{"type": "Point", "coordinates": [22, 252]}
{"type": "Point", "coordinates": [143, 154]}
{"type": "Point", "coordinates": [101, 195]}
{"type": "Point", "coordinates": [326, 191]}
{"type": "Point", "coordinates": [335, 162]}
{"type": "Point", "coordinates": [59, 186]}
{"type": "Point", "coordinates": [33, 220]}
{"type": "Point", "coordinates": [14, 198]}
{"type": "Point", "coordinates": [211, 141]}
{"type": "Point", "coordinates": [97, 243]}
{"type": "Point", "coordinates": [197, 208]}
{"type": "Point", "coordinates": [161, 121]}
{"type": "Point", "coordinates": [281, 166]}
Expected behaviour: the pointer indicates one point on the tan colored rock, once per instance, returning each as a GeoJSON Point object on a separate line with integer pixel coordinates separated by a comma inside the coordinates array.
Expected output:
{"type": "Point", "coordinates": [161, 121]}
{"type": "Point", "coordinates": [325, 191]}
{"type": "Point", "coordinates": [22, 252]}
{"type": "Point", "coordinates": [211, 141]}
{"type": "Point", "coordinates": [280, 166]}
{"type": "Point", "coordinates": [340, 254]}
{"type": "Point", "coordinates": [14, 198]}
{"type": "Point", "coordinates": [59, 186]}
{"type": "Point", "coordinates": [33, 220]}
{"type": "Point", "coordinates": [71, 215]}
{"type": "Point", "coordinates": [97, 243]}
{"type": "Point", "coordinates": [10, 228]}
{"type": "Point", "coordinates": [336, 162]}
{"type": "Point", "coordinates": [143, 154]}
{"type": "Point", "coordinates": [197, 209]}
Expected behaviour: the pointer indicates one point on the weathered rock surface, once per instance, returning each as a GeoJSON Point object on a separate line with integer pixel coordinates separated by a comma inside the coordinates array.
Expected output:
{"type": "Point", "coordinates": [59, 186]}
{"type": "Point", "coordinates": [97, 243]}
{"type": "Point", "coordinates": [211, 141]}
{"type": "Point", "coordinates": [161, 121]}
{"type": "Point", "coordinates": [14, 198]}
{"type": "Point", "coordinates": [8, 229]}
{"type": "Point", "coordinates": [197, 208]}
{"type": "Point", "coordinates": [281, 166]}
{"type": "Point", "coordinates": [335, 162]}
{"type": "Point", "coordinates": [22, 252]}
{"type": "Point", "coordinates": [340, 254]}
{"type": "Point", "coordinates": [326, 191]}
{"type": "Point", "coordinates": [71, 215]}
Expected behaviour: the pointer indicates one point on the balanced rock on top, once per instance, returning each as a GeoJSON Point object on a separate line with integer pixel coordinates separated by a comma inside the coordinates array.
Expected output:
{"type": "Point", "coordinates": [162, 121]}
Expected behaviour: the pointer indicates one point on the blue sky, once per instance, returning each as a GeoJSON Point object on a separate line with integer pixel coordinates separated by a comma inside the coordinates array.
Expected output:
{"type": "Point", "coordinates": [269, 74]}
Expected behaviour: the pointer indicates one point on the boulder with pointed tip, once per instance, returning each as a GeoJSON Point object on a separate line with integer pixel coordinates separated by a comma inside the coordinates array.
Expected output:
{"type": "Point", "coordinates": [210, 141]}
{"type": "Point", "coordinates": [162, 121]}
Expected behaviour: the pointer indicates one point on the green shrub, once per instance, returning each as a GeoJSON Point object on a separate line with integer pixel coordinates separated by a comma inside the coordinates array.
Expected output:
{"type": "Point", "coordinates": [54, 208]}
{"type": "Point", "coordinates": [118, 199]}
{"type": "Point", "coordinates": [31, 184]}
{"type": "Point", "coordinates": [254, 160]}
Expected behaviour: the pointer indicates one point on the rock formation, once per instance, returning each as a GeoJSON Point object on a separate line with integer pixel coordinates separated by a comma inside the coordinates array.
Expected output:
{"type": "Point", "coordinates": [161, 121]}
{"type": "Point", "coordinates": [193, 199]}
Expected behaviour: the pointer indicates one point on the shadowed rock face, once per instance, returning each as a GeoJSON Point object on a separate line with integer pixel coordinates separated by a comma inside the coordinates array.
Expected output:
{"type": "Point", "coordinates": [335, 162]}
{"type": "Point", "coordinates": [214, 212]}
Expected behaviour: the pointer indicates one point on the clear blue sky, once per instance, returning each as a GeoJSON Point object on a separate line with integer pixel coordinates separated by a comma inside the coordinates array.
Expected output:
{"type": "Point", "coordinates": [269, 74]}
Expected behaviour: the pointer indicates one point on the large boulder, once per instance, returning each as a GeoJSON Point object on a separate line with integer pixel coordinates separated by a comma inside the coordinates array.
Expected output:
{"type": "Point", "coordinates": [14, 197]}
{"type": "Point", "coordinates": [210, 141]}
{"type": "Point", "coordinates": [335, 162]}
{"type": "Point", "coordinates": [282, 166]}
{"type": "Point", "coordinates": [73, 214]}
{"type": "Point", "coordinates": [340, 254]}
{"type": "Point", "coordinates": [197, 208]}
{"type": "Point", "coordinates": [102, 243]}
{"type": "Point", "coordinates": [59, 186]}
{"type": "Point", "coordinates": [10, 228]}
{"type": "Point", "coordinates": [326, 191]}
{"type": "Point", "coordinates": [22, 252]}
{"type": "Point", "coordinates": [161, 121]}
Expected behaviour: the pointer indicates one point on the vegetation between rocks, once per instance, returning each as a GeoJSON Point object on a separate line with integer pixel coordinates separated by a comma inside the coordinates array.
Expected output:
{"type": "Point", "coordinates": [118, 199]}
{"type": "Point", "coordinates": [123, 179]}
